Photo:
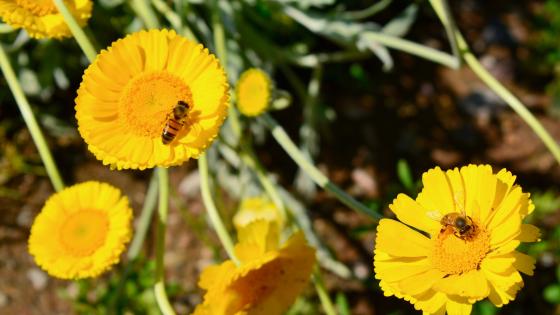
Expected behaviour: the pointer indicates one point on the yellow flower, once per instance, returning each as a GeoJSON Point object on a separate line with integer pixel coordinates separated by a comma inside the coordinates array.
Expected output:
{"type": "Point", "coordinates": [253, 92]}
{"type": "Point", "coordinates": [40, 18]}
{"type": "Point", "coordinates": [439, 267]}
{"type": "Point", "coordinates": [81, 231]}
{"type": "Point", "coordinates": [266, 282]}
{"type": "Point", "coordinates": [257, 208]}
{"type": "Point", "coordinates": [130, 90]}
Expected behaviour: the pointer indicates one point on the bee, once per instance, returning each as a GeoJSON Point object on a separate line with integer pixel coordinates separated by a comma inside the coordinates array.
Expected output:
{"type": "Point", "coordinates": [462, 225]}
{"type": "Point", "coordinates": [175, 121]}
{"type": "Point", "coordinates": [458, 222]}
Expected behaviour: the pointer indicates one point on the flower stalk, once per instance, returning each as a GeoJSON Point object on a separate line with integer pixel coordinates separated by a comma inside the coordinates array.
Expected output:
{"type": "Point", "coordinates": [213, 213]}
{"type": "Point", "coordinates": [78, 33]}
{"type": "Point", "coordinates": [30, 121]}
{"type": "Point", "coordinates": [291, 149]}
{"type": "Point", "coordinates": [441, 8]}
{"type": "Point", "coordinates": [159, 287]}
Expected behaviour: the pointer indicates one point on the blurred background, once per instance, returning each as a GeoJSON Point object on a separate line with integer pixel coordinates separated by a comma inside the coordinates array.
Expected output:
{"type": "Point", "coordinates": [373, 121]}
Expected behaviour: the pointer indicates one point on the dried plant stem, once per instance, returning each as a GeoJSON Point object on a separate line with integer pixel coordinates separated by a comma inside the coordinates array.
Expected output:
{"type": "Point", "coordinates": [30, 121]}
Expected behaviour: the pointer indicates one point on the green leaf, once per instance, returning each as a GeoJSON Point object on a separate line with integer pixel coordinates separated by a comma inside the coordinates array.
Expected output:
{"type": "Point", "coordinates": [401, 24]}
{"type": "Point", "coordinates": [344, 32]}
{"type": "Point", "coordinates": [405, 175]}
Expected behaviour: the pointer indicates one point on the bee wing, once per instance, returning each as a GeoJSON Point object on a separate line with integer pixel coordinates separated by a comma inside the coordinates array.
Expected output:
{"type": "Point", "coordinates": [434, 215]}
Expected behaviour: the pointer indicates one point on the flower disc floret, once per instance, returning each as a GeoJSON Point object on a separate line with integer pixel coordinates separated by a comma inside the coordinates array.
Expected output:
{"type": "Point", "coordinates": [40, 18]}
{"type": "Point", "coordinates": [128, 93]}
{"type": "Point", "coordinates": [439, 270]}
{"type": "Point", "coordinates": [81, 231]}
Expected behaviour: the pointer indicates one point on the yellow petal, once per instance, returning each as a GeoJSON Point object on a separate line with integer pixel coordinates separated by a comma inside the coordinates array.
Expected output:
{"type": "Point", "coordinates": [529, 233]}
{"type": "Point", "coordinates": [498, 263]}
{"type": "Point", "coordinates": [524, 263]}
{"type": "Point", "coordinates": [410, 212]}
{"type": "Point", "coordinates": [458, 308]}
{"type": "Point", "coordinates": [421, 282]}
{"type": "Point", "coordinates": [480, 188]}
{"type": "Point", "coordinates": [471, 285]}
{"type": "Point", "coordinates": [436, 194]}
{"type": "Point", "coordinates": [397, 269]}
{"type": "Point", "coordinates": [431, 302]}
{"type": "Point", "coordinates": [397, 239]}
{"type": "Point", "coordinates": [505, 232]}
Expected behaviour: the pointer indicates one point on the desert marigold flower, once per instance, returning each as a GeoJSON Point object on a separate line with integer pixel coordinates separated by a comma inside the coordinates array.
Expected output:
{"type": "Point", "coordinates": [253, 92]}
{"type": "Point", "coordinates": [129, 93]}
{"type": "Point", "coordinates": [81, 231]}
{"type": "Point", "coordinates": [257, 208]}
{"type": "Point", "coordinates": [467, 224]}
{"type": "Point", "coordinates": [266, 282]}
{"type": "Point", "coordinates": [40, 18]}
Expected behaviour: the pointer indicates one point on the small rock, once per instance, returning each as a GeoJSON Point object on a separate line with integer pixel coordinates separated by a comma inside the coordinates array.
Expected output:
{"type": "Point", "coordinates": [38, 278]}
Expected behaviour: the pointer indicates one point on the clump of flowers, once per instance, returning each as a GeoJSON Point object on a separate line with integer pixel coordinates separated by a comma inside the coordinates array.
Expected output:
{"type": "Point", "coordinates": [466, 224]}
{"type": "Point", "coordinates": [41, 19]}
{"type": "Point", "coordinates": [81, 231]}
{"type": "Point", "coordinates": [253, 92]}
{"type": "Point", "coordinates": [268, 278]}
{"type": "Point", "coordinates": [130, 92]}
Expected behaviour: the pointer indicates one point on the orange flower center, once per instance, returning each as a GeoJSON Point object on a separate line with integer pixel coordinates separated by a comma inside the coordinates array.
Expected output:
{"type": "Point", "coordinates": [454, 255]}
{"type": "Point", "coordinates": [147, 101]}
{"type": "Point", "coordinates": [84, 232]}
{"type": "Point", "coordinates": [38, 7]}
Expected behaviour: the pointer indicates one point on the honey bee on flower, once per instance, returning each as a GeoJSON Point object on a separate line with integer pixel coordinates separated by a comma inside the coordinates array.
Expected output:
{"type": "Point", "coordinates": [469, 254]}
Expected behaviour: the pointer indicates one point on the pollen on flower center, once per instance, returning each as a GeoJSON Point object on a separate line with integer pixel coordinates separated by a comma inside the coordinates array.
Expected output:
{"type": "Point", "coordinates": [38, 7]}
{"type": "Point", "coordinates": [147, 101]}
{"type": "Point", "coordinates": [84, 231]}
{"type": "Point", "coordinates": [454, 255]}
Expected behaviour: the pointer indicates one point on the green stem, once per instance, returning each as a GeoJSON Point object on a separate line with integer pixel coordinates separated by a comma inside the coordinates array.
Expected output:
{"type": "Point", "coordinates": [213, 214]}
{"type": "Point", "coordinates": [221, 52]}
{"type": "Point", "coordinates": [159, 287]}
{"type": "Point", "coordinates": [442, 10]}
{"type": "Point", "coordinates": [77, 31]}
{"type": "Point", "coordinates": [30, 121]}
{"type": "Point", "coordinates": [508, 97]}
{"type": "Point", "coordinates": [291, 149]}
{"type": "Point", "coordinates": [145, 12]}
{"type": "Point", "coordinates": [173, 18]}
{"type": "Point", "coordinates": [145, 219]}
{"type": "Point", "coordinates": [326, 301]}
{"type": "Point", "coordinates": [415, 49]}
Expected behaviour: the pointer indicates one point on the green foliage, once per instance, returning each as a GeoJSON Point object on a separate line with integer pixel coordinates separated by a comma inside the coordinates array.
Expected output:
{"type": "Point", "coordinates": [128, 291]}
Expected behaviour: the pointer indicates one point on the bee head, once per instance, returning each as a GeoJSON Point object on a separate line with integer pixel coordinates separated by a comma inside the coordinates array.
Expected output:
{"type": "Point", "coordinates": [180, 110]}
